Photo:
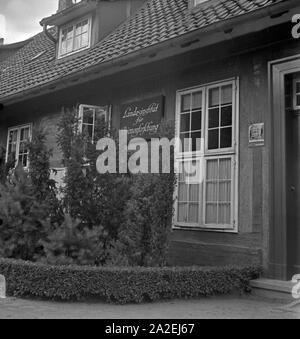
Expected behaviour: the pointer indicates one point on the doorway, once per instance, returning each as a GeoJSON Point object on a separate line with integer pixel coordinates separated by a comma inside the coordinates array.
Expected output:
{"type": "Point", "coordinates": [284, 256]}
{"type": "Point", "coordinates": [292, 111]}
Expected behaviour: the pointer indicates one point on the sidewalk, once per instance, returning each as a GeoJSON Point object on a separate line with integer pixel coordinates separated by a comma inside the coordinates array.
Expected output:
{"type": "Point", "coordinates": [231, 307]}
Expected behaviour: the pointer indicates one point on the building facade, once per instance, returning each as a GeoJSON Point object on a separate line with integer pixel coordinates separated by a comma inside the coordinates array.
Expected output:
{"type": "Point", "coordinates": [225, 72]}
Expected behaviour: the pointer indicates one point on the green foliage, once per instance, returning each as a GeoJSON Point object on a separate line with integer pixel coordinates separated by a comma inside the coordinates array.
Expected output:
{"type": "Point", "coordinates": [5, 167]}
{"type": "Point", "coordinates": [94, 199]}
{"type": "Point", "coordinates": [143, 239]}
{"type": "Point", "coordinates": [22, 217]}
{"type": "Point", "coordinates": [71, 244]}
{"type": "Point", "coordinates": [43, 187]}
{"type": "Point", "coordinates": [122, 285]}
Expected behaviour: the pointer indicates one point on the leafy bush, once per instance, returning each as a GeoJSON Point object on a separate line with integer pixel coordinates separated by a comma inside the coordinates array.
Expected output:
{"type": "Point", "coordinates": [71, 244]}
{"type": "Point", "coordinates": [5, 167]}
{"type": "Point", "coordinates": [143, 239]}
{"type": "Point", "coordinates": [28, 203]}
{"type": "Point", "coordinates": [22, 218]}
{"type": "Point", "coordinates": [90, 197]}
{"type": "Point", "coordinates": [122, 285]}
{"type": "Point", "coordinates": [44, 188]}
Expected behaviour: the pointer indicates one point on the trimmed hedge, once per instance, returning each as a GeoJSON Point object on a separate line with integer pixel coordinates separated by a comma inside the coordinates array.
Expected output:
{"type": "Point", "coordinates": [122, 285]}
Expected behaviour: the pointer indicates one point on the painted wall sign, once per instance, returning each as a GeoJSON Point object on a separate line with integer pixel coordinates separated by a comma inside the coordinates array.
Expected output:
{"type": "Point", "coordinates": [257, 134]}
{"type": "Point", "coordinates": [142, 119]}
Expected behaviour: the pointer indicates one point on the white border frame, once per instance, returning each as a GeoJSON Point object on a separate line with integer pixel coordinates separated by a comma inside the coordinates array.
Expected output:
{"type": "Point", "coordinates": [18, 128]}
{"type": "Point", "coordinates": [74, 23]}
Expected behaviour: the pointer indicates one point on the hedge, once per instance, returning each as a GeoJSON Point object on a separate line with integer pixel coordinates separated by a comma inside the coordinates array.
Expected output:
{"type": "Point", "coordinates": [122, 285]}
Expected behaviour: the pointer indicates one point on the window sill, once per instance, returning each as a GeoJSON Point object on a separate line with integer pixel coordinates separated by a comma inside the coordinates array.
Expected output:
{"type": "Point", "coordinates": [205, 229]}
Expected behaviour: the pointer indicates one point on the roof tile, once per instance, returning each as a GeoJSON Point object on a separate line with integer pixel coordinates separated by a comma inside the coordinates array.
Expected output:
{"type": "Point", "coordinates": [155, 22]}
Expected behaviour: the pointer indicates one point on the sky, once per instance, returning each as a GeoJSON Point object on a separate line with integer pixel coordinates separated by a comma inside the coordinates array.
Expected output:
{"type": "Point", "coordinates": [19, 19]}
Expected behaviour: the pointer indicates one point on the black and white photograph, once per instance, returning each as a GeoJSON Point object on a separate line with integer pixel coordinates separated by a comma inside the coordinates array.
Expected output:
{"type": "Point", "coordinates": [150, 162]}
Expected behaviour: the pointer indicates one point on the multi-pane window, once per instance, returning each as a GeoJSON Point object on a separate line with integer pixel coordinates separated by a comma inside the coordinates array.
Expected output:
{"type": "Point", "coordinates": [191, 120]}
{"type": "Point", "coordinates": [189, 187]}
{"type": "Point", "coordinates": [75, 37]}
{"type": "Point", "coordinates": [297, 94]}
{"type": "Point", "coordinates": [220, 106]}
{"type": "Point", "coordinates": [207, 182]}
{"type": "Point", "coordinates": [91, 118]}
{"type": "Point", "coordinates": [218, 191]}
{"type": "Point", "coordinates": [17, 144]}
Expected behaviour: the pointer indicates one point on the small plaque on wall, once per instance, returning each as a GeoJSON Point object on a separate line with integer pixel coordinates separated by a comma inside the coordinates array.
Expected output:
{"type": "Point", "coordinates": [257, 134]}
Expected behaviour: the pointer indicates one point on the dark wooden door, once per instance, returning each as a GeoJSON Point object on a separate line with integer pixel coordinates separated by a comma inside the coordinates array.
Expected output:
{"type": "Point", "coordinates": [293, 193]}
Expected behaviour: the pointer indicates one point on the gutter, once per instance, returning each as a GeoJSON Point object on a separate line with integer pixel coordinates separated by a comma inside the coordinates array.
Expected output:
{"type": "Point", "coordinates": [186, 42]}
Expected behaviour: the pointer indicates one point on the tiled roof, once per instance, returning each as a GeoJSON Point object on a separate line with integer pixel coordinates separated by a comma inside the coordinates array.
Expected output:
{"type": "Point", "coordinates": [155, 22]}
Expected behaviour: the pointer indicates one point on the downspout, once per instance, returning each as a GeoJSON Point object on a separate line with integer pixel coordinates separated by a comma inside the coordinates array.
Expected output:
{"type": "Point", "coordinates": [50, 36]}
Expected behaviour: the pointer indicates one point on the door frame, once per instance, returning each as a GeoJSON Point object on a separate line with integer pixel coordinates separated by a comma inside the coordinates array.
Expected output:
{"type": "Point", "coordinates": [278, 253]}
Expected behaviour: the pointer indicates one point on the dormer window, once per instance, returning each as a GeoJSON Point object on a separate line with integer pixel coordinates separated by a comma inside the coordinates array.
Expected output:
{"type": "Point", "coordinates": [75, 37]}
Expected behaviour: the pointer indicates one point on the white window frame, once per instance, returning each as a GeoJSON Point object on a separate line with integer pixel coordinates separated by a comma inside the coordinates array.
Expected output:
{"type": "Point", "coordinates": [205, 154]}
{"type": "Point", "coordinates": [295, 81]}
{"type": "Point", "coordinates": [83, 106]}
{"type": "Point", "coordinates": [18, 129]}
{"type": "Point", "coordinates": [73, 25]}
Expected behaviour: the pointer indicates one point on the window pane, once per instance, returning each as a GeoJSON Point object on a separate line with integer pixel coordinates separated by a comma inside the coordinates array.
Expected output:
{"type": "Point", "coordinates": [298, 100]}
{"type": "Point", "coordinates": [182, 192]}
{"type": "Point", "coordinates": [77, 42]}
{"type": "Point", "coordinates": [194, 193]}
{"type": "Point", "coordinates": [225, 192]}
{"type": "Point", "coordinates": [226, 116]}
{"type": "Point", "coordinates": [212, 170]}
{"type": "Point", "coordinates": [197, 101]}
{"type": "Point", "coordinates": [185, 122]}
{"type": "Point", "coordinates": [186, 103]}
{"type": "Point", "coordinates": [84, 39]}
{"type": "Point", "coordinates": [85, 26]}
{"type": "Point", "coordinates": [211, 214]}
{"type": "Point", "coordinates": [226, 137]}
{"type": "Point", "coordinates": [182, 212]}
{"type": "Point", "coordinates": [214, 118]}
{"type": "Point", "coordinates": [193, 213]}
{"type": "Point", "coordinates": [227, 95]}
{"type": "Point", "coordinates": [69, 46]}
{"type": "Point", "coordinates": [78, 29]}
{"type": "Point", "coordinates": [213, 139]}
{"type": "Point", "coordinates": [88, 130]}
{"type": "Point", "coordinates": [196, 141]}
{"type": "Point", "coordinates": [298, 87]}
{"type": "Point", "coordinates": [24, 134]}
{"type": "Point", "coordinates": [88, 116]}
{"type": "Point", "coordinates": [225, 214]}
{"type": "Point", "coordinates": [212, 192]}
{"type": "Point", "coordinates": [214, 97]}
{"type": "Point", "coordinates": [196, 121]}
{"type": "Point", "coordinates": [13, 136]}
{"type": "Point", "coordinates": [225, 169]}
{"type": "Point", "coordinates": [185, 142]}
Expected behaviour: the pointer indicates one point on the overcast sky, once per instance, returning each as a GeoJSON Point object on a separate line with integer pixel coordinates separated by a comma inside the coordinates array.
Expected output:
{"type": "Point", "coordinates": [19, 19]}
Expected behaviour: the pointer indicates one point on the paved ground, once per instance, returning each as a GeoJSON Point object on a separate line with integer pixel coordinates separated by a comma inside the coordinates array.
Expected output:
{"type": "Point", "coordinates": [221, 307]}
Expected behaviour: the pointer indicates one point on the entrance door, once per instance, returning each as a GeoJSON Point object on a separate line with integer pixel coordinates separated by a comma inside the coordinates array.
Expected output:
{"type": "Point", "coordinates": [292, 83]}
{"type": "Point", "coordinates": [284, 236]}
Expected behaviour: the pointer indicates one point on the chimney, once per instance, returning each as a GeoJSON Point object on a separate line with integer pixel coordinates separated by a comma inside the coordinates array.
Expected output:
{"type": "Point", "coordinates": [63, 4]}
{"type": "Point", "coordinates": [1, 41]}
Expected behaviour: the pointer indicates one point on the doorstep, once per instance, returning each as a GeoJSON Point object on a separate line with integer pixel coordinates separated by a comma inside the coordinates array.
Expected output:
{"type": "Point", "coordinates": [273, 289]}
